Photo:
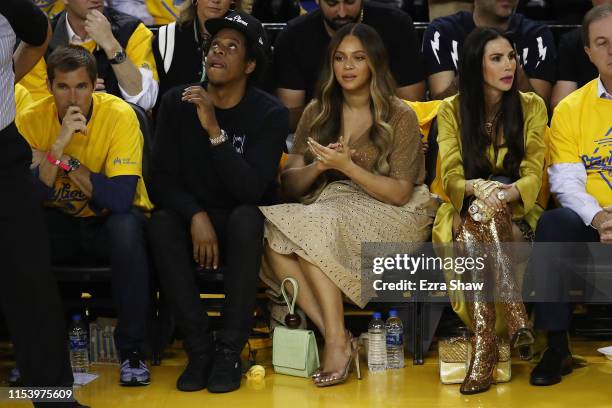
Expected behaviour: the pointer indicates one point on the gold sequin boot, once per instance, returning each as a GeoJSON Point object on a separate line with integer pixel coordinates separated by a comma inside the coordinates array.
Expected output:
{"type": "Point", "coordinates": [508, 293]}
{"type": "Point", "coordinates": [483, 359]}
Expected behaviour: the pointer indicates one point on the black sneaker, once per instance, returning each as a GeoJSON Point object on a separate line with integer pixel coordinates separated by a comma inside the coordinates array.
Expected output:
{"type": "Point", "coordinates": [553, 365]}
{"type": "Point", "coordinates": [134, 371]}
{"type": "Point", "coordinates": [226, 372]}
{"type": "Point", "coordinates": [195, 376]}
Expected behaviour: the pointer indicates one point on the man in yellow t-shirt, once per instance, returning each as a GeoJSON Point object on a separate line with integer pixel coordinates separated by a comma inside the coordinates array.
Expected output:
{"type": "Point", "coordinates": [121, 44]}
{"type": "Point", "coordinates": [88, 157]}
{"type": "Point", "coordinates": [164, 11]}
{"type": "Point", "coordinates": [581, 180]}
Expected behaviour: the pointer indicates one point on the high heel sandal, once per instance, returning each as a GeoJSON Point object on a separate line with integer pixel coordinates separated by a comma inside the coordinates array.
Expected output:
{"type": "Point", "coordinates": [354, 344]}
{"type": "Point", "coordinates": [327, 379]}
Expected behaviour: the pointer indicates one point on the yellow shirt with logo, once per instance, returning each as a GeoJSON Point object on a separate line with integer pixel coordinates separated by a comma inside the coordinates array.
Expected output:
{"type": "Point", "coordinates": [582, 133]}
{"type": "Point", "coordinates": [113, 147]}
{"type": "Point", "coordinates": [164, 11]}
{"type": "Point", "coordinates": [50, 7]}
{"type": "Point", "coordinates": [139, 50]}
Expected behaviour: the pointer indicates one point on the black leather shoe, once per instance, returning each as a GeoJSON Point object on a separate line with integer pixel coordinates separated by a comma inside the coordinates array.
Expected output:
{"type": "Point", "coordinates": [226, 372]}
{"type": "Point", "coordinates": [553, 365]}
{"type": "Point", "coordinates": [195, 376]}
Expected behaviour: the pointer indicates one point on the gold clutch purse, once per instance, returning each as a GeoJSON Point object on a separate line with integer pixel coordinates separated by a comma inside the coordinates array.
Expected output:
{"type": "Point", "coordinates": [454, 357]}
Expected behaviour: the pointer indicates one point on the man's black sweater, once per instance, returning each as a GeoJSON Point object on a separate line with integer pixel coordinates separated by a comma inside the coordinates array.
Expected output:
{"type": "Point", "coordinates": [190, 175]}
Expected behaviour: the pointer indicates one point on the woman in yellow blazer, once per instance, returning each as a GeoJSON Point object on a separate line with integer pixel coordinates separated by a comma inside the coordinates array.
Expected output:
{"type": "Point", "coordinates": [491, 143]}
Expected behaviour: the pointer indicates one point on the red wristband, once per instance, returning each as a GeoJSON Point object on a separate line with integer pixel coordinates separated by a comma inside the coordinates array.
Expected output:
{"type": "Point", "coordinates": [57, 162]}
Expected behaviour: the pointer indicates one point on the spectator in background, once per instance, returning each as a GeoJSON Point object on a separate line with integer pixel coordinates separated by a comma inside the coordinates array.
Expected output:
{"type": "Point", "coordinates": [300, 50]}
{"type": "Point", "coordinates": [581, 180]}
{"type": "Point", "coordinates": [120, 44]}
{"type": "Point", "coordinates": [88, 157]}
{"type": "Point", "coordinates": [392, 3]}
{"type": "Point", "coordinates": [416, 8]}
{"type": "Point", "coordinates": [442, 8]}
{"type": "Point", "coordinates": [574, 69]}
{"type": "Point", "coordinates": [306, 6]}
{"type": "Point", "coordinates": [570, 12]}
{"type": "Point", "coordinates": [180, 47]}
{"type": "Point", "coordinates": [245, 6]}
{"type": "Point", "coordinates": [50, 7]}
{"type": "Point", "coordinates": [276, 11]}
{"type": "Point", "coordinates": [534, 44]}
{"type": "Point", "coordinates": [216, 154]}
{"type": "Point", "coordinates": [165, 11]}
{"type": "Point", "coordinates": [134, 8]}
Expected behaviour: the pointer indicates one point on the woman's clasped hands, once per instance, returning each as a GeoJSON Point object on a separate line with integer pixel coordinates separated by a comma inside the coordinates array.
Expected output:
{"type": "Point", "coordinates": [333, 156]}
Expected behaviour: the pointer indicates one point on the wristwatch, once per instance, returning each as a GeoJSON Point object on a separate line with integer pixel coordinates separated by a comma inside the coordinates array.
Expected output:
{"type": "Point", "coordinates": [219, 139]}
{"type": "Point", "coordinates": [119, 57]}
{"type": "Point", "coordinates": [74, 165]}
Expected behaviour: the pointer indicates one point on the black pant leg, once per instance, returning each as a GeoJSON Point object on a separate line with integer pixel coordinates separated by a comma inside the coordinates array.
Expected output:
{"type": "Point", "coordinates": [550, 271]}
{"type": "Point", "coordinates": [244, 250]}
{"type": "Point", "coordinates": [30, 297]}
{"type": "Point", "coordinates": [240, 236]}
{"type": "Point", "coordinates": [171, 248]}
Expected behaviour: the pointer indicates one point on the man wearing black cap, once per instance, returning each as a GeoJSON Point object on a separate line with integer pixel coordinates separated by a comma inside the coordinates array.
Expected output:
{"type": "Point", "coordinates": [216, 153]}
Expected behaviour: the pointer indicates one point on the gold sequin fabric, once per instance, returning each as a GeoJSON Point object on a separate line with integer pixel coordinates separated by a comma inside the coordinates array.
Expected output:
{"type": "Point", "coordinates": [328, 232]}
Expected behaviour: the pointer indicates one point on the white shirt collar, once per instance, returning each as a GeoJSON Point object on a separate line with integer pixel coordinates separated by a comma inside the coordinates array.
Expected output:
{"type": "Point", "coordinates": [601, 90]}
{"type": "Point", "coordinates": [73, 38]}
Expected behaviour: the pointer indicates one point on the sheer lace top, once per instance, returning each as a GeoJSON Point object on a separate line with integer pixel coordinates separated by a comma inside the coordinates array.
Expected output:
{"type": "Point", "coordinates": [406, 158]}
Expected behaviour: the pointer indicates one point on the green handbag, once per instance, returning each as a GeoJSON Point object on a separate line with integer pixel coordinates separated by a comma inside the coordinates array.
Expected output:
{"type": "Point", "coordinates": [294, 351]}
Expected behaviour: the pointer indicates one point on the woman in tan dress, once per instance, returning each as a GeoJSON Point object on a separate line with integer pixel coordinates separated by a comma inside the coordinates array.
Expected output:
{"type": "Point", "coordinates": [357, 168]}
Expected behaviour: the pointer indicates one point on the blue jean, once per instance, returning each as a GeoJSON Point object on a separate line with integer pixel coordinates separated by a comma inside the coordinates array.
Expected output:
{"type": "Point", "coordinates": [118, 239]}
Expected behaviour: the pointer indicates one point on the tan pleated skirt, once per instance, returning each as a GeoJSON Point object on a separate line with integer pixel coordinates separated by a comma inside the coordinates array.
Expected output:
{"type": "Point", "coordinates": [328, 232]}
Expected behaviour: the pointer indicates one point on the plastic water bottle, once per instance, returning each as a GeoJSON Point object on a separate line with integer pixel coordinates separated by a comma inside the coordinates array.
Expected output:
{"type": "Point", "coordinates": [395, 341]}
{"type": "Point", "coordinates": [79, 345]}
{"type": "Point", "coordinates": [377, 349]}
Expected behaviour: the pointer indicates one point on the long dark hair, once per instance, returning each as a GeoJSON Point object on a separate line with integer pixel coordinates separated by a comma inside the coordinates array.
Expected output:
{"type": "Point", "coordinates": [474, 139]}
{"type": "Point", "coordinates": [329, 98]}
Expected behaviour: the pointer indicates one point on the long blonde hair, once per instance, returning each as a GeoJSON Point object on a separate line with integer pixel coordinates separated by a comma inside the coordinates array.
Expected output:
{"type": "Point", "coordinates": [188, 10]}
{"type": "Point", "coordinates": [329, 100]}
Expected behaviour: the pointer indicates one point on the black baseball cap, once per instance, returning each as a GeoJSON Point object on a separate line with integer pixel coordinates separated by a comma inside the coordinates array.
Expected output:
{"type": "Point", "coordinates": [242, 22]}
